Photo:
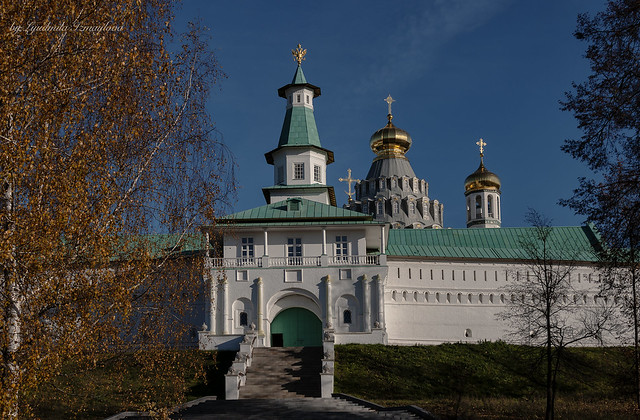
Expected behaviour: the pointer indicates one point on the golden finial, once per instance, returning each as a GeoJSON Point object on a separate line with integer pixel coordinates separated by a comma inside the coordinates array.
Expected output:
{"type": "Point", "coordinates": [349, 181]}
{"type": "Point", "coordinates": [298, 54]}
{"type": "Point", "coordinates": [389, 101]}
{"type": "Point", "coordinates": [481, 143]}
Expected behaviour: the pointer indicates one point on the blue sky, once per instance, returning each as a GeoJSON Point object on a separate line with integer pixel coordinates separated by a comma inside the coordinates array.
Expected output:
{"type": "Point", "coordinates": [458, 70]}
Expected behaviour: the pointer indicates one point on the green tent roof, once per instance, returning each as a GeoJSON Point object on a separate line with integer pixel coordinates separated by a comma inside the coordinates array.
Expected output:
{"type": "Point", "coordinates": [576, 243]}
{"type": "Point", "coordinates": [299, 128]}
{"type": "Point", "coordinates": [296, 211]}
{"type": "Point", "coordinates": [298, 78]}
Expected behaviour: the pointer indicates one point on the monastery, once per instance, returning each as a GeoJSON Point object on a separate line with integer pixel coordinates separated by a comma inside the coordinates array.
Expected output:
{"type": "Point", "coordinates": [300, 270]}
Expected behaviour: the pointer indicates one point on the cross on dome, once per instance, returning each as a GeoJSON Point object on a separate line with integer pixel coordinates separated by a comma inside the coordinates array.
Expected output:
{"type": "Point", "coordinates": [389, 101]}
{"type": "Point", "coordinates": [349, 181]}
{"type": "Point", "coordinates": [481, 143]}
{"type": "Point", "coordinates": [299, 53]}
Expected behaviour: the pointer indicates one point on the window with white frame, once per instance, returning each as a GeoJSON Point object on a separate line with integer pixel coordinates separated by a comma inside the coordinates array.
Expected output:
{"type": "Point", "coordinates": [412, 207]}
{"type": "Point", "coordinates": [294, 251]}
{"type": "Point", "coordinates": [247, 250]}
{"type": "Point", "coordinates": [298, 171]}
{"type": "Point", "coordinates": [244, 319]}
{"type": "Point", "coordinates": [396, 207]}
{"type": "Point", "coordinates": [346, 317]}
{"type": "Point", "coordinates": [380, 209]}
{"type": "Point", "coordinates": [341, 247]}
{"type": "Point", "coordinates": [317, 176]}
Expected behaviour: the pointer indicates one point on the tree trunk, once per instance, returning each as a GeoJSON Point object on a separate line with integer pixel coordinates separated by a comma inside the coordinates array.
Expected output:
{"type": "Point", "coordinates": [636, 350]}
{"type": "Point", "coordinates": [11, 311]}
{"type": "Point", "coordinates": [548, 414]}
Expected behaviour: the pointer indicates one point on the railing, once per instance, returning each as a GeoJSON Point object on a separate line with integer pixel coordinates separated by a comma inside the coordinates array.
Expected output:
{"type": "Point", "coordinates": [237, 262]}
{"type": "Point", "coordinates": [295, 261]}
{"type": "Point", "coordinates": [354, 260]}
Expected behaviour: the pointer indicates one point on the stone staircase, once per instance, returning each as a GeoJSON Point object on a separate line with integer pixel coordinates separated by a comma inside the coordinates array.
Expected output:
{"type": "Point", "coordinates": [288, 408]}
{"type": "Point", "coordinates": [283, 372]}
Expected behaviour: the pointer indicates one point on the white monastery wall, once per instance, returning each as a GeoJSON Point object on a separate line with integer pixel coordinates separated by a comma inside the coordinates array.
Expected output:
{"type": "Point", "coordinates": [431, 302]}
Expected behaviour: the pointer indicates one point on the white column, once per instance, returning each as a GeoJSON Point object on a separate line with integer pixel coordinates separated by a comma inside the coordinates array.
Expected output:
{"type": "Point", "coordinates": [224, 304]}
{"type": "Point", "coordinates": [366, 301]}
{"type": "Point", "coordinates": [382, 244]}
{"type": "Point", "coordinates": [259, 304]}
{"type": "Point", "coordinates": [380, 301]}
{"type": "Point", "coordinates": [266, 243]}
{"type": "Point", "coordinates": [329, 308]}
{"type": "Point", "coordinates": [324, 241]}
{"type": "Point", "coordinates": [212, 305]}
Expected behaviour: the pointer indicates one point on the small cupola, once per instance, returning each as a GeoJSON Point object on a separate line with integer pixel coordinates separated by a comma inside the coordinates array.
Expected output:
{"type": "Point", "coordinates": [482, 192]}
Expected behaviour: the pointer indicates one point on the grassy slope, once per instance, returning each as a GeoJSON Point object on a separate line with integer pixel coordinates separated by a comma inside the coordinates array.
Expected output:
{"type": "Point", "coordinates": [488, 380]}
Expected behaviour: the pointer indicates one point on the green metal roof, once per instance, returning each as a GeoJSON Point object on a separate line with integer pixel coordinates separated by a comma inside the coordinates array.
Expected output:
{"type": "Point", "coordinates": [160, 245]}
{"type": "Point", "coordinates": [298, 78]}
{"type": "Point", "coordinates": [299, 128]}
{"type": "Point", "coordinates": [308, 212]}
{"type": "Point", "coordinates": [575, 243]}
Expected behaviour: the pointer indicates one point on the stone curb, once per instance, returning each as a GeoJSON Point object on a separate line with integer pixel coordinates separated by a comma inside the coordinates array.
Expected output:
{"type": "Point", "coordinates": [417, 411]}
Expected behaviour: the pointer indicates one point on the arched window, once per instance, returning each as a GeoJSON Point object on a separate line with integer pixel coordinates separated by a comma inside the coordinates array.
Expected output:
{"type": "Point", "coordinates": [244, 319]}
{"type": "Point", "coordinates": [490, 206]}
{"type": "Point", "coordinates": [412, 207]}
{"type": "Point", "coordinates": [380, 207]}
{"type": "Point", "coordinates": [468, 209]}
{"type": "Point", "coordinates": [346, 316]}
{"type": "Point", "coordinates": [468, 333]}
{"type": "Point", "coordinates": [396, 207]}
{"type": "Point", "coordinates": [497, 207]}
{"type": "Point", "coordinates": [478, 207]}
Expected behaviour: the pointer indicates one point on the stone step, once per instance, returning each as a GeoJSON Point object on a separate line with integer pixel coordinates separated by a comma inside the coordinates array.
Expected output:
{"type": "Point", "coordinates": [283, 372]}
{"type": "Point", "coordinates": [303, 408]}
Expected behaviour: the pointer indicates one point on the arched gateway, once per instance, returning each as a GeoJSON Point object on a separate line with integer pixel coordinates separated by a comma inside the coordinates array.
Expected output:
{"type": "Point", "coordinates": [296, 327]}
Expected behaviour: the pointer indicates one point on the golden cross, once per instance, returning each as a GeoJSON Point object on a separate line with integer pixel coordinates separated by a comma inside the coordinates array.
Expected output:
{"type": "Point", "coordinates": [349, 181]}
{"type": "Point", "coordinates": [298, 54]}
{"type": "Point", "coordinates": [481, 143]}
{"type": "Point", "coordinates": [389, 101]}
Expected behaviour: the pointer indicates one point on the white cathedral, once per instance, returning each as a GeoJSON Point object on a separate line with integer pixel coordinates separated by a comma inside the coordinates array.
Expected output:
{"type": "Point", "coordinates": [379, 270]}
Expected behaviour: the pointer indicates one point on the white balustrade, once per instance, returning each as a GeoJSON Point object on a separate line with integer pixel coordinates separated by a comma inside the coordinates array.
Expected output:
{"type": "Point", "coordinates": [295, 261]}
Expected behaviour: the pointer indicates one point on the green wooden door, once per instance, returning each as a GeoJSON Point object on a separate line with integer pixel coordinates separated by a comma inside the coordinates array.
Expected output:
{"type": "Point", "coordinates": [298, 326]}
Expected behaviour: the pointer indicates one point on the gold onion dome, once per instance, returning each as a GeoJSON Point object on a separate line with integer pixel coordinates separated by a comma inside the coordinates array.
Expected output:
{"type": "Point", "coordinates": [390, 141]}
{"type": "Point", "coordinates": [482, 179]}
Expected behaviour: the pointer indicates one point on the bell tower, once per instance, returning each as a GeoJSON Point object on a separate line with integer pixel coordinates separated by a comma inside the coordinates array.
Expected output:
{"type": "Point", "coordinates": [299, 162]}
{"type": "Point", "coordinates": [482, 192]}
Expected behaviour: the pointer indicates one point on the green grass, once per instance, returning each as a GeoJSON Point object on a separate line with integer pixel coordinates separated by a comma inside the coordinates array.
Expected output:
{"type": "Point", "coordinates": [123, 384]}
{"type": "Point", "coordinates": [487, 380]}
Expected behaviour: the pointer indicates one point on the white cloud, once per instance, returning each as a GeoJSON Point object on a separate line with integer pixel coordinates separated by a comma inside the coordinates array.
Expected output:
{"type": "Point", "coordinates": [421, 31]}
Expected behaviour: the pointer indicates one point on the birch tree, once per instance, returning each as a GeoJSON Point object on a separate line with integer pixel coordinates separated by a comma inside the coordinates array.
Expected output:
{"type": "Point", "coordinates": [542, 310]}
{"type": "Point", "coordinates": [104, 140]}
